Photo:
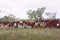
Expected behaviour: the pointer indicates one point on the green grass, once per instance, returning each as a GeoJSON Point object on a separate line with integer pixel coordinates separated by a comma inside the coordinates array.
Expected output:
{"type": "Point", "coordinates": [29, 34]}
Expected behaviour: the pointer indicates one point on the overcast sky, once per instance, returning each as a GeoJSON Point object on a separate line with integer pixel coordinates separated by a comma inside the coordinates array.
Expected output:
{"type": "Point", "coordinates": [19, 7]}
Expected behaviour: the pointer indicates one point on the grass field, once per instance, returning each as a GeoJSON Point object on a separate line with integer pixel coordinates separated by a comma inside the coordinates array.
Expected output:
{"type": "Point", "coordinates": [29, 34]}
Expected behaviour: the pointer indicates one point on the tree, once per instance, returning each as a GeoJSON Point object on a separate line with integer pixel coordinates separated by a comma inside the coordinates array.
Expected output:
{"type": "Point", "coordinates": [39, 13]}
{"type": "Point", "coordinates": [31, 14]}
{"type": "Point", "coordinates": [51, 15]}
{"type": "Point", "coordinates": [5, 18]}
{"type": "Point", "coordinates": [11, 17]}
{"type": "Point", "coordinates": [36, 14]}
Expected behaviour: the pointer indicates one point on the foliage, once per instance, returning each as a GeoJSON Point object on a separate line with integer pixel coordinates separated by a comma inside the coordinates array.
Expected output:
{"type": "Point", "coordinates": [22, 20]}
{"type": "Point", "coordinates": [9, 18]}
{"type": "Point", "coordinates": [36, 14]}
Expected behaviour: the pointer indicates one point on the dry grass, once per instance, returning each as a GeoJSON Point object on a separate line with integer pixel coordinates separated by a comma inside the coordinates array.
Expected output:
{"type": "Point", "coordinates": [29, 34]}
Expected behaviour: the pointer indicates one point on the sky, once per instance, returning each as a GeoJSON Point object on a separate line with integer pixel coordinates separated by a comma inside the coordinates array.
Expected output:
{"type": "Point", "coordinates": [19, 8]}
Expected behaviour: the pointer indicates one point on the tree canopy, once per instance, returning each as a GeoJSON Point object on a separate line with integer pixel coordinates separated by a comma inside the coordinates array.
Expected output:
{"type": "Point", "coordinates": [36, 14]}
